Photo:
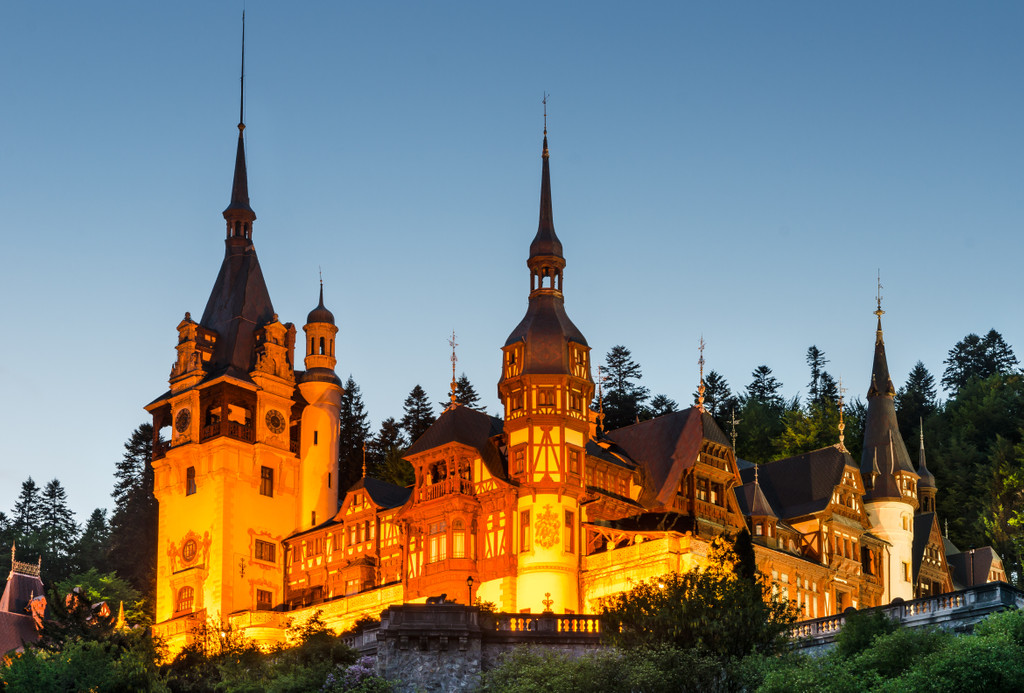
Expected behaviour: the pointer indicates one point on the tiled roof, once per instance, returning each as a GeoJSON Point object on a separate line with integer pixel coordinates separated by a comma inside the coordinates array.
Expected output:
{"type": "Point", "coordinates": [468, 427]}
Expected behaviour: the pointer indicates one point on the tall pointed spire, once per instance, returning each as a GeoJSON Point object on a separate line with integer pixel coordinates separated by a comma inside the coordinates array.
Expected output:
{"type": "Point", "coordinates": [700, 382]}
{"type": "Point", "coordinates": [545, 243]}
{"type": "Point", "coordinates": [882, 439]}
{"type": "Point", "coordinates": [239, 215]}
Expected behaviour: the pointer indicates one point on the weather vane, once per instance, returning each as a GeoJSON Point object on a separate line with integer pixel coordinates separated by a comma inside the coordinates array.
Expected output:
{"type": "Point", "coordinates": [600, 401]}
{"type": "Point", "coordinates": [734, 421]}
{"type": "Point", "coordinates": [700, 384]}
{"type": "Point", "coordinates": [878, 297]}
{"type": "Point", "coordinates": [455, 385]}
{"type": "Point", "coordinates": [842, 426]}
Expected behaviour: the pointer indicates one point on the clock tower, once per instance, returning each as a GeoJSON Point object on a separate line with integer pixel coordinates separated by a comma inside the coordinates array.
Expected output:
{"type": "Point", "coordinates": [253, 442]}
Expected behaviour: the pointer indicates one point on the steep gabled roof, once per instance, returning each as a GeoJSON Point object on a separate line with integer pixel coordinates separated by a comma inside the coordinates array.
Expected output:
{"type": "Point", "coordinates": [383, 494]}
{"type": "Point", "coordinates": [664, 448]}
{"type": "Point", "coordinates": [923, 524]}
{"type": "Point", "coordinates": [801, 485]}
{"type": "Point", "coordinates": [468, 427]}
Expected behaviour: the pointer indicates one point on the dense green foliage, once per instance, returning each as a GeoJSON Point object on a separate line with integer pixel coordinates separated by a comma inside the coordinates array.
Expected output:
{"type": "Point", "coordinates": [720, 610]}
{"type": "Point", "coordinates": [878, 656]}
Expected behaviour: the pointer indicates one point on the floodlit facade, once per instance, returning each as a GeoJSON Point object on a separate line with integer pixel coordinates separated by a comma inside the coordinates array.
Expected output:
{"type": "Point", "coordinates": [539, 510]}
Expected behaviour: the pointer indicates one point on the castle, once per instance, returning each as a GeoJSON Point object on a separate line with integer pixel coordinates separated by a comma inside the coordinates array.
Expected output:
{"type": "Point", "coordinates": [540, 510]}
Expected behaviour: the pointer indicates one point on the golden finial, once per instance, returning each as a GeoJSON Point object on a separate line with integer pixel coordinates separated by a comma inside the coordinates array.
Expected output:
{"type": "Point", "coordinates": [600, 401]}
{"type": "Point", "coordinates": [700, 385]}
{"type": "Point", "coordinates": [733, 421]}
{"type": "Point", "coordinates": [756, 482]}
{"type": "Point", "coordinates": [364, 459]}
{"type": "Point", "coordinates": [455, 383]}
{"type": "Point", "coordinates": [878, 297]}
{"type": "Point", "coordinates": [842, 426]}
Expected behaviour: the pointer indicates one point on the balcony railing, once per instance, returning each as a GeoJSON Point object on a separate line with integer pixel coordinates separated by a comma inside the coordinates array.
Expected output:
{"type": "Point", "coordinates": [229, 429]}
{"type": "Point", "coordinates": [445, 487]}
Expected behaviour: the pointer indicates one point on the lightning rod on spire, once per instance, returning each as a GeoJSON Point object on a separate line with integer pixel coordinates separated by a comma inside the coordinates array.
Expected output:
{"type": "Point", "coordinates": [241, 93]}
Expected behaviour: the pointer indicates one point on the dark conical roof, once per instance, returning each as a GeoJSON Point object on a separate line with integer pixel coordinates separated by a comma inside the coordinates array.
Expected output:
{"type": "Point", "coordinates": [753, 502]}
{"type": "Point", "coordinates": [927, 478]}
{"type": "Point", "coordinates": [546, 242]}
{"type": "Point", "coordinates": [239, 207]}
{"type": "Point", "coordinates": [239, 302]}
{"type": "Point", "coordinates": [320, 313]}
{"type": "Point", "coordinates": [883, 444]}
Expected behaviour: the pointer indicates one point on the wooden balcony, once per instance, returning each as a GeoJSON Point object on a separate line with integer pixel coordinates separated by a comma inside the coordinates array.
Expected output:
{"type": "Point", "coordinates": [229, 429]}
{"type": "Point", "coordinates": [451, 485]}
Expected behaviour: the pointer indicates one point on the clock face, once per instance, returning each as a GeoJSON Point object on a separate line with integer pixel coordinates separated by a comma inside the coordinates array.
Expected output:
{"type": "Point", "coordinates": [275, 421]}
{"type": "Point", "coordinates": [182, 420]}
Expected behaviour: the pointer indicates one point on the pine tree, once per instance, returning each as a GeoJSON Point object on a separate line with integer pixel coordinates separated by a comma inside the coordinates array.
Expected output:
{"type": "Point", "coordinates": [977, 357]}
{"type": "Point", "coordinates": [717, 396]}
{"type": "Point", "coordinates": [59, 532]}
{"type": "Point", "coordinates": [465, 394]}
{"type": "Point", "coordinates": [816, 361]}
{"type": "Point", "coordinates": [915, 401]}
{"type": "Point", "coordinates": [135, 521]}
{"type": "Point", "coordinates": [28, 510]}
{"type": "Point", "coordinates": [91, 551]}
{"type": "Point", "coordinates": [764, 388]}
{"type": "Point", "coordinates": [661, 405]}
{"type": "Point", "coordinates": [353, 435]}
{"type": "Point", "coordinates": [624, 397]}
{"type": "Point", "coordinates": [419, 415]}
{"type": "Point", "coordinates": [387, 441]}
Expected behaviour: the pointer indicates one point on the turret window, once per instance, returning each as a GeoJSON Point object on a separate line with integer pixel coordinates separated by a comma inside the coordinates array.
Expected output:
{"type": "Point", "coordinates": [266, 481]}
{"type": "Point", "coordinates": [323, 348]}
{"type": "Point", "coordinates": [545, 397]}
{"type": "Point", "coordinates": [458, 539]}
{"type": "Point", "coordinates": [518, 461]}
{"type": "Point", "coordinates": [190, 481]}
{"type": "Point", "coordinates": [574, 461]}
{"type": "Point", "coordinates": [569, 540]}
{"type": "Point", "coordinates": [524, 531]}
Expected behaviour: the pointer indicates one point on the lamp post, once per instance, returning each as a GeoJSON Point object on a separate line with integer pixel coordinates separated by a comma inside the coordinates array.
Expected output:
{"type": "Point", "coordinates": [469, 584]}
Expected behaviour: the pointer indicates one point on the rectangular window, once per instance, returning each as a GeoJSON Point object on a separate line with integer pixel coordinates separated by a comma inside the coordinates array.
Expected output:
{"type": "Point", "coordinates": [265, 551]}
{"type": "Point", "coordinates": [524, 530]}
{"type": "Point", "coordinates": [545, 397]}
{"type": "Point", "coordinates": [437, 544]}
{"type": "Point", "coordinates": [569, 540]}
{"type": "Point", "coordinates": [702, 490]}
{"type": "Point", "coordinates": [264, 600]}
{"type": "Point", "coordinates": [576, 401]}
{"type": "Point", "coordinates": [519, 457]}
{"type": "Point", "coordinates": [517, 400]}
{"type": "Point", "coordinates": [316, 547]}
{"type": "Point", "coordinates": [338, 540]}
{"type": "Point", "coordinates": [574, 461]}
{"type": "Point", "coordinates": [296, 554]}
{"type": "Point", "coordinates": [190, 481]}
{"type": "Point", "coordinates": [316, 436]}
{"type": "Point", "coordinates": [906, 571]}
{"type": "Point", "coordinates": [266, 481]}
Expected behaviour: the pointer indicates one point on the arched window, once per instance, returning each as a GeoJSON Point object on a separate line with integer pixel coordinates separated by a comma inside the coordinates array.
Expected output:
{"type": "Point", "coordinates": [186, 599]}
{"type": "Point", "coordinates": [322, 349]}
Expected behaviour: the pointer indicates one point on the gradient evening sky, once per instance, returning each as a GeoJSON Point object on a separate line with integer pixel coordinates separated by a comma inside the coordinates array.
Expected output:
{"type": "Point", "coordinates": [733, 170]}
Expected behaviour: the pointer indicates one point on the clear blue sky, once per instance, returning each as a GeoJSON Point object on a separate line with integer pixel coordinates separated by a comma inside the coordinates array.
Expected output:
{"type": "Point", "coordinates": [737, 170]}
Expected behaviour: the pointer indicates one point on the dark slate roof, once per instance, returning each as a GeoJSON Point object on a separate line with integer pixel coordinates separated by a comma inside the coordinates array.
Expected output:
{"type": "Point", "coordinates": [20, 589]}
{"type": "Point", "coordinates": [383, 494]}
{"type": "Point", "coordinates": [469, 427]}
{"type": "Point", "coordinates": [320, 313]}
{"type": "Point", "coordinates": [923, 523]}
{"type": "Point", "coordinates": [664, 448]}
{"type": "Point", "coordinates": [752, 501]}
{"type": "Point", "coordinates": [239, 204]}
{"type": "Point", "coordinates": [239, 303]}
{"type": "Point", "coordinates": [15, 631]}
{"type": "Point", "coordinates": [545, 242]}
{"type": "Point", "coordinates": [546, 329]}
{"type": "Point", "coordinates": [960, 565]}
{"type": "Point", "coordinates": [801, 485]}
{"type": "Point", "coordinates": [612, 454]}
{"type": "Point", "coordinates": [882, 439]}
{"type": "Point", "coordinates": [712, 431]}
{"type": "Point", "coordinates": [927, 478]}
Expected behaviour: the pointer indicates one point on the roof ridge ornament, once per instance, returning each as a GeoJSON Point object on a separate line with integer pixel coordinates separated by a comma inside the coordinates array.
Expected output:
{"type": "Point", "coordinates": [842, 424]}
{"type": "Point", "coordinates": [700, 384]}
{"type": "Point", "coordinates": [734, 421]}
{"type": "Point", "coordinates": [455, 384]}
{"type": "Point", "coordinates": [544, 101]}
